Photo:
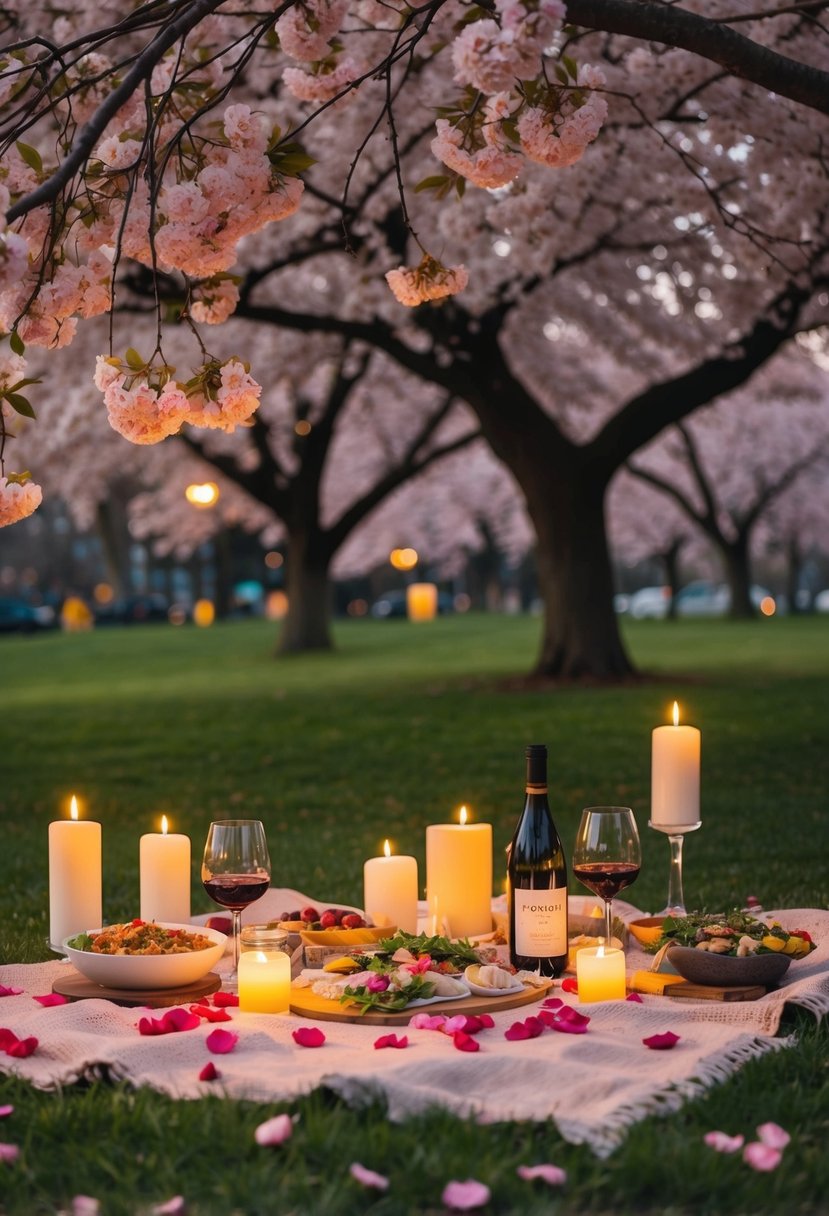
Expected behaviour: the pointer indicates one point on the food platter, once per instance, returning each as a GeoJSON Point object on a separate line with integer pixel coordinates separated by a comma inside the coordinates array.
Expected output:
{"type": "Point", "coordinates": [308, 1004]}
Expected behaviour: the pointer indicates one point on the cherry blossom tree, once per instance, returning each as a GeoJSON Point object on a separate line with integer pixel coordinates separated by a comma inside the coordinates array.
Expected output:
{"type": "Point", "coordinates": [681, 241]}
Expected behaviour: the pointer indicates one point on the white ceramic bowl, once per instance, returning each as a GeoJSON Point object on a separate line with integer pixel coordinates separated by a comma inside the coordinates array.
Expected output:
{"type": "Point", "coordinates": [143, 972]}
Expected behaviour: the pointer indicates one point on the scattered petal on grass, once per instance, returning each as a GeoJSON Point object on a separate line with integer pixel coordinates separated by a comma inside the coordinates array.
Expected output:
{"type": "Point", "coordinates": [173, 1207]}
{"type": "Point", "coordinates": [308, 1036]}
{"type": "Point", "coordinates": [85, 1205]}
{"type": "Point", "coordinates": [553, 1175]}
{"type": "Point", "coordinates": [635, 997]}
{"type": "Point", "coordinates": [4, 991]}
{"type": "Point", "coordinates": [662, 1042]}
{"type": "Point", "coordinates": [220, 1042]}
{"type": "Point", "coordinates": [9, 1152]}
{"type": "Point", "coordinates": [427, 1021]}
{"type": "Point", "coordinates": [569, 985]}
{"type": "Point", "coordinates": [5, 1111]}
{"type": "Point", "coordinates": [210, 1072]}
{"type": "Point", "coordinates": [391, 1040]}
{"type": "Point", "coordinates": [761, 1157]}
{"type": "Point", "coordinates": [274, 1131]}
{"type": "Point", "coordinates": [368, 1177]}
{"type": "Point", "coordinates": [464, 1196]}
{"type": "Point", "coordinates": [723, 1143]}
{"type": "Point", "coordinates": [465, 1042]}
{"type": "Point", "coordinates": [224, 999]}
{"type": "Point", "coordinates": [51, 998]}
{"type": "Point", "coordinates": [773, 1135]}
{"type": "Point", "coordinates": [23, 1048]}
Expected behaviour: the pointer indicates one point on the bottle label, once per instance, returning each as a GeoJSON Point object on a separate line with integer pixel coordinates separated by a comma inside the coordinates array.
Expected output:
{"type": "Point", "coordinates": [540, 922]}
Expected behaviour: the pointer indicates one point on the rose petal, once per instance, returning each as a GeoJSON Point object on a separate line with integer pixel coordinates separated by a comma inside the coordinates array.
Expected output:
{"type": "Point", "coordinates": [5, 1111]}
{"type": "Point", "coordinates": [474, 1023]}
{"type": "Point", "coordinates": [427, 1021]}
{"type": "Point", "coordinates": [454, 1024]}
{"type": "Point", "coordinates": [179, 1018]}
{"type": "Point", "coordinates": [85, 1205]}
{"type": "Point", "coordinates": [210, 1072]}
{"type": "Point", "coordinates": [7, 1038]}
{"type": "Point", "coordinates": [568, 1014]}
{"type": "Point", "coordinates": [552, 1002]}
{"type": "Point", "coordinates": [211, 1015]}
{"type": "Point", "coordinates": [4, 991]}
{"type": "Point", "coordinates": [465, 1042]}
{"type": "Point", "coordinates": [569, 985]}
{"type": "Point", "coordinates": [517, 1032]}
{"type": "Point", "coordinates": [224, 999]}
{"type": "Point", "coordinates": [568, 1026]}
{"type": "Point", "coordinates": [9, 1152]}
{"type": "Point", "coordinates": [173, 1207]}
{"type": "Point", "coordinates": [368, 1177]}
{"type": "Point", "coordinates": [464, 1196]}
{"type": "Point", "coordinates": [762, 1157]}
{"type": "Point", "coordinates": [51, 998]}
{"type": "Point", "coordinates": [23, 1048]}
{"type": "Point", "coordinates": [308, 1036]}
{"type": "Point", "coordinates": [274, 1131]}
{"type": "Point", "coordinates": [553, 1175]}
{"type": "Point", "coordinates": [723, 1143]}
{"type": "Point", "coordinates": [635, 997]}
{"type": "Point", "coordinates": [773, 1135]}
{"type": "Point", "coordinates": [391, 1040]}
{"type": "Point", "coordinates": [220, 1042]}
{"type": "Point", "coordinates": [662, 1042]}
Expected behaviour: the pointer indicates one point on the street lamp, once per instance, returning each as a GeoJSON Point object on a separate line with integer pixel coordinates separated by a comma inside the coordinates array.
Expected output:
{"type": "Point", "coordinates": [202, 494]}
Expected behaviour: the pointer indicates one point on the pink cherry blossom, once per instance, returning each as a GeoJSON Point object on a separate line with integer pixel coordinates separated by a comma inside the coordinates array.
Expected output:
{"type": "Point", "coordinates": [723, 1143]}
{"type": "Point", "coordinates": [176, 1206]}
{"type": "Point", "coordinates": [465, 1196]}
{"type": "Point", "coordinates": [431, 280]}
{"type": "Point", "coordinates": [274, 1131]}
{"type": "Point", "coordinates": [553, 1175]}
{"type": "Point", "coordinates": [367, 1177]}
{"type": "Point", "coordinates": [16, 502]}
{"type": "Point", "coordinates": [773, 1135]}
{"type": "Point", "coordinates": [762, 1157]}
{"type": "Point", "coordinates": [220, 1042]}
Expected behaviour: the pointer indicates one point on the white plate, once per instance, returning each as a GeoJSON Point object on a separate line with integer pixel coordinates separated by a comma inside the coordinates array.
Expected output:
{"type": "Point", "coordinates": [141, 972]}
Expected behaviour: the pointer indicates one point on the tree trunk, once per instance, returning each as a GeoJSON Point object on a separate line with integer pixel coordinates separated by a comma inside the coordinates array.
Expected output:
{"type": "Point", "coordinates": [670, 560]}
{"type": "Point", "coordinates": [794, 561]}
{"type": "Point", "coordinates": [581, 636]}
{"type": "Point", "coordinates": [738, 576]}
{"type": "Point", "coordinates": [307, 624]}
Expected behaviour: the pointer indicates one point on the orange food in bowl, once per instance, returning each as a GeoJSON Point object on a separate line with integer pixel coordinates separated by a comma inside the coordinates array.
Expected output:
{"type": "Point", "coordinates": [647, 930]}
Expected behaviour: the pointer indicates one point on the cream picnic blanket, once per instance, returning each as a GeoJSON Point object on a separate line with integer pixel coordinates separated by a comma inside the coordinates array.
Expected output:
{"type": "Point", "coordinates": [594, 1086]}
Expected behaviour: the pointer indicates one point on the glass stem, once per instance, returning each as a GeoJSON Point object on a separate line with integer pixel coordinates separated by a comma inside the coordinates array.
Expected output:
{"type": "Point", "coordinates": [237, 930]}
{"type": "Point", "coordinates": [608, 923]}
{"type": "Point", "coordinates": [676, 899]}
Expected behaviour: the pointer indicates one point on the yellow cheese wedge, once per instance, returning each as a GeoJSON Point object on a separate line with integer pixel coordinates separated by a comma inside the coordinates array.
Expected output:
{"type": "Point", "coordinates": [341, 966]}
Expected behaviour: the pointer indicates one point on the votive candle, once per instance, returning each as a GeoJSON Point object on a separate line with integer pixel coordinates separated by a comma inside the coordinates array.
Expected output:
{"type": "Point", "coordinates": [600, 974]}
{"type": "Point", "coordinates": [264, 981]}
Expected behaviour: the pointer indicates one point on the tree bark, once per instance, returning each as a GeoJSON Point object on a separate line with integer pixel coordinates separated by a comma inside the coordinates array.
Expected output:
{"type": "Point", "coordinates": [738, 576]}
{"type": "Point", "coordinates": [306, 626]}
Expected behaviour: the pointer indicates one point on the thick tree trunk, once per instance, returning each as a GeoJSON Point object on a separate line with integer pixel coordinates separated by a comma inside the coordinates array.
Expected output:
{"type": "Point", "coordinates": [738, 576]}
{"type": "Point", "coordinates": [794, 561]}
{"type": "Point", "coordinates": [670, 560]}
{"type": "Point", "coordinates": [307, 624]}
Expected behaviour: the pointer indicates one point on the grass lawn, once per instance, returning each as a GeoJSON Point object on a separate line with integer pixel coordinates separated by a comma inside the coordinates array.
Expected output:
{"type": "Point", "coordinates": [334, 752]}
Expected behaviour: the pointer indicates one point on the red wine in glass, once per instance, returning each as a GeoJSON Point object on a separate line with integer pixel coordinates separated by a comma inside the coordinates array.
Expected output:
{"type": "Point", "coordinates": [607, 856]}
{"type": "Point", "coordinates": [606, 879]}
{"type": "Point", "coordinates": [236, 871]}
{"type": "Point", "coordinates": [236, 890]}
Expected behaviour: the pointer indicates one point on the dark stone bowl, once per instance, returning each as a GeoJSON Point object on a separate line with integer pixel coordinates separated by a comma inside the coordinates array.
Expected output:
{"type": "Point", "coordinates": [727, 971]}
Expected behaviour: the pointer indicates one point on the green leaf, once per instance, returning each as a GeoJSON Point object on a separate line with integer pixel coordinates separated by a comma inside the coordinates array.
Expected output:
{"type": "Point", "coordinates": [460, 186]}
{"type": "Point", "coordinates": [562, 75]}
{"type": "Point", "coordinates": [134, 360]}
{"type": "Point", "coordinates": [16, 342]}
{"type": "Point", "coordinates": [81, 942]}
{"type": "Point", "coordinates": [20, 404]}
{"type": "Point", "coordinates": [571, 66]}
{"type": "Point", "coordinates": [438, 182]}
{"type": "Point", "coordinates": [30, 155]}
{"type": "Point", "coordinates": [19, 479]}
{"type": "Point", "coordinates": [23, 383]}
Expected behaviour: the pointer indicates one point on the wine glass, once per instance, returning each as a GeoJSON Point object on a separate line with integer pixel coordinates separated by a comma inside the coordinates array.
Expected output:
{"type": "Point", "coordinates": [607, 856]}
{"type": "Point", "coordinates": [236, 871]}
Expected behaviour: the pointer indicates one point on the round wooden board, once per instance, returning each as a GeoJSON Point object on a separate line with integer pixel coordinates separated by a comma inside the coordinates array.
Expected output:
{"type": "Point", "coordinates": [78, 988]}
{"type": "Point", "coordinates": [307, 1004]}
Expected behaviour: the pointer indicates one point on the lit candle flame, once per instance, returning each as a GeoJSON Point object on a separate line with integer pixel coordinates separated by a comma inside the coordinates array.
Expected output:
{"type": "Point", "coordinates": [463, 816]}
{"type": "Point", "coordinates": [73, 808]}
{"type": "Point", "coordinates": [676, 714]}
{"type": "Point", "coordinates": [387, 849]}
{"type": "Point", "coordinates": [163, 825]}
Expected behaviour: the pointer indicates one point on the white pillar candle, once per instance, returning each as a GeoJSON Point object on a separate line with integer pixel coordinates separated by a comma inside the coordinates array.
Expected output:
{"type": "Point", "coordinates": [600, 974]}
{"type": "Point", "coordinates": [74, 876]}
{"type": "Point", "coordinates": [421, 601]}
{"type": "Point", "coordinates": [390, 890]}
{"type": "Point", "coordinates": [675, 765]}
{"type": "Point", "coordinates": [264, 981]}
{"type": "Point", "coordinates": [459, 875]}
{"type": "Point", "coordinates": [164, 867]}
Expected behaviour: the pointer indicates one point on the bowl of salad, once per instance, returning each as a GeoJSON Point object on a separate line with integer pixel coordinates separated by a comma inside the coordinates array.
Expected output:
{"type": "Point", "coordinates": [731, 949]}
{"type": "Point", "coordinates": [143, 955]}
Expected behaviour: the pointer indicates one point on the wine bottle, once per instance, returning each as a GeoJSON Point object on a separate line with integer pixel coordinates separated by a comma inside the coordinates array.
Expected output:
{"type": "Point", "coordinates": [537, 879]}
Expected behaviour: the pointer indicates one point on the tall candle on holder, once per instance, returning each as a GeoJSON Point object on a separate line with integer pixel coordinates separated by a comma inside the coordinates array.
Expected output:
{"type": "Point", "coordinates": [675, 767]}
{"type": "Point", "coordinates": [164, 865]}
{"type": "Point", "coordinates": [459, 875]}
{"type": "Point", "coordinates": [75, 901]}
{"type": "Point", "coordinates": [390, 890]}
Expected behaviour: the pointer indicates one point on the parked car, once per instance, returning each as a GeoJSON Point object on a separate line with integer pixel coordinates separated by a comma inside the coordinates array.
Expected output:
{"type": "Point", "coordinates": [134, 610]}
{"type": "Point", "coordinates": [702, 598]}
{"type": "Point", "coordinates": [821, 601]}
{"type": "Point", "coordinates": [19, 616]}
{"type": "Point", "coordinates": [649, 603]}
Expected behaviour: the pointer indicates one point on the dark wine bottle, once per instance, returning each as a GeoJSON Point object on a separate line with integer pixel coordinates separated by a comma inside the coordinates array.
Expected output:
{"type": "Point", "coordinates": [537, 879]}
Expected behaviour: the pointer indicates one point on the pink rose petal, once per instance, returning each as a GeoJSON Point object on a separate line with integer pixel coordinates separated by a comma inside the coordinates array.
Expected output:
{"type": "Point", "coordinates": [23, 1047]}
{"type": "Point", "coordinates": [454, 1024]}
{"type": "Point", "coordinates": [464, 1196]}
{"type": "Point", "coordinates": [476, 1022]}
{"type": "Point", "coordinates": [570, 985]}
{"type": "Point", "coordinates": [4, 991]}
{"type": "Point", "coordinates": [762, 1157]}
{"type": "Point", "coordinates": [180, 1019]}
{"type": "Point", "coordinates": [568, 1014]}
{"type": "Point", "coordinates": [85, 1205]}
{"type": "Point", "coordinates": [568, 1026]}
{"type": "Point", "coordinates": [553, 1175]}
{"type": "Point", "coordinates": [223, 1000]}
{"type": "Point", "coordinates": [220, 1042]}
{"type": "Point", "coordinates": [773, 1135]}
{"type": "Point", "coordinates": [211, 1015]}
{"type": "Point", "coordinates": [9, 1152]}
{"type": "Point", "coordinates": [391, 1040]}
{"type": "Point", "coordinates": [427, 1021]}
{"type": "Point", "coordinates": [173, 1207]}
{"type": "Point", "coordinates": [635, 997]}
{"type": "Point", "coordinates": [210, 1072]}
{"type": "Point", "coordinates": [51, 998]}
{"type": "Point", "coordinates": [662, 1042]}
{"type": "Point", "coordinates": [308, 1036]}
{"type": "Point", "coordinates": [368, 1177]}
{"type": "Point", "coordinates": [7, 1038]}
{"type": "Point", "coordinates": [552, 1002]}
{"type": "Point", "coordinates": [274, 1131]}
{"type": "Point", "coordinates": [723, 1143]}
{"type": "Point", "coordinates": [5, 1111]}
{"type": "Point", "coordinates": [465, 1042]}
{"type": "Point", "coordinates": [517, 1032]}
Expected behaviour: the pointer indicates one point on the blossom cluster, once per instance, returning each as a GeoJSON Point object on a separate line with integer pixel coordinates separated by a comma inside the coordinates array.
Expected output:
{"type": "Point", "coordinates": [17, 500]}
{"type": "Point", "coordinates": [431, 280]}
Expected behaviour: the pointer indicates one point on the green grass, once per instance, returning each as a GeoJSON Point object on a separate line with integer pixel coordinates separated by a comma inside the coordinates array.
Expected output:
{"type": "Point", "coordinates": [335, 752]}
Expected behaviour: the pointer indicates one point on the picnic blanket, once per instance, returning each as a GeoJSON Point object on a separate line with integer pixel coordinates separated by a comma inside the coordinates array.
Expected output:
{"type": "Point", "coordinates": [594, 1086]}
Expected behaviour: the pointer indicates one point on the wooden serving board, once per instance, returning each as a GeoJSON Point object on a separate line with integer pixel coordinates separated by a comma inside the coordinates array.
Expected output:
{"type": "Point", "coordinates": [657, 984]}
{"type": "Point", "coordinates": [307, 1004]}
{"type": "Point", "coordinates": [78, 988]}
